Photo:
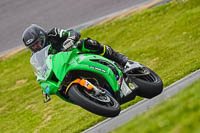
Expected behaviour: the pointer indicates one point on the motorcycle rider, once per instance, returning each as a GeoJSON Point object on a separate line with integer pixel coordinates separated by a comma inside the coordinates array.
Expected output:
{"type": "Point", "coordinates": [36, 38]}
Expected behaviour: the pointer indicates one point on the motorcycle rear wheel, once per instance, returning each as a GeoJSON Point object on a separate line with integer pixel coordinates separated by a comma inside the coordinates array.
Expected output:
{"type": "Point", "coordinates": [79, 97]}
{"type": "Point", "coordinates": [149, 85]}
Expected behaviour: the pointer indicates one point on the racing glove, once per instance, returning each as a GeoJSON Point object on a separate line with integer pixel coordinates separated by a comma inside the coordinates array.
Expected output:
{"type": "Point", "coordinates": [71, 39]}
{"type": "Point", "coordinates": [68, 44]}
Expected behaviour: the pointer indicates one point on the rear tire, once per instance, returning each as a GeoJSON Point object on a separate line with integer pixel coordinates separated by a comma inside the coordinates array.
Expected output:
{"type": "Point", "coordinates": [149, 86]}
{"type": "Point", "coordinates": [78, 97]}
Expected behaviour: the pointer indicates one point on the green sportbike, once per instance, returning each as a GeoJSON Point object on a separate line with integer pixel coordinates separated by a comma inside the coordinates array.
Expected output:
{"type": "Point", "coordinates": [93, 82]}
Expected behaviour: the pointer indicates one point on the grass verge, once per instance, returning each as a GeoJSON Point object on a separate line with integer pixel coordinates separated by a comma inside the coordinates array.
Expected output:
{"type": "Point", "coordinates": [180, 114]}
{"type": "Point", "coordinates": [165, 38]}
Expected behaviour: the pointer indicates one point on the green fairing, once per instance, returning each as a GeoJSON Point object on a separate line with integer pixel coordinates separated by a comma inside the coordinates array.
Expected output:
{"type": "Point", "coordinates": [62, 63]}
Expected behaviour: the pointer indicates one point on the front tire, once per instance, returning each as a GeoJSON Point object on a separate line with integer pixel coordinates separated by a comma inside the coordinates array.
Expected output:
{"type": "Point", "coordinates": [79, 97]}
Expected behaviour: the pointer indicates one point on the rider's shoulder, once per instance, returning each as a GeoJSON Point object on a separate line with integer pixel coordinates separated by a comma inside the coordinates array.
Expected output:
{"type": "Point", "coordinates": [53, 31]}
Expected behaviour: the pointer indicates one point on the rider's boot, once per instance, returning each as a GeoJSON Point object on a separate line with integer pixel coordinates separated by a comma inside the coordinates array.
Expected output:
{"type": "Point", "coordinates": [115, 56]}
{"type": "Point", "coordinates": [121, 59]}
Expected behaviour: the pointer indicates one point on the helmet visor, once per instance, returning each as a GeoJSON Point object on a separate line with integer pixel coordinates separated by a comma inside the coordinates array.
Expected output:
{"type": "Point", "coordinates": [38, 45]}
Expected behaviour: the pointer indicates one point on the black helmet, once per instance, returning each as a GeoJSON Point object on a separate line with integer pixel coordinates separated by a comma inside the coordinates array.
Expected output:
{"type": "Point", "coordinates": [34, 37]}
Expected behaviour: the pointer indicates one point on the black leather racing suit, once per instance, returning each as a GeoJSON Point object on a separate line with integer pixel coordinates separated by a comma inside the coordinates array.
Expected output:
{"type": "Point", "coordinates": [58, 37]}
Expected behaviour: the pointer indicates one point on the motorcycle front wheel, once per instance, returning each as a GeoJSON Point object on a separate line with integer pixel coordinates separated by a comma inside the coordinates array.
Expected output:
{"type": "Point", "coordinates": [104, 105]}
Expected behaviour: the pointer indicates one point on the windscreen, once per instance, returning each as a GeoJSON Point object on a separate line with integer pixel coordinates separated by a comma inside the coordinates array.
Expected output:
{"type": "Point", "coordinates": [38, 61]}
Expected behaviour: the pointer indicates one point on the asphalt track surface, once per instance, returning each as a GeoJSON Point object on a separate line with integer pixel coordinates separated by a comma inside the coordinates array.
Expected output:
{"type": "Point", "coordinates": [16, 15]}
{"type": "Point", "coordinates": [144, 105]}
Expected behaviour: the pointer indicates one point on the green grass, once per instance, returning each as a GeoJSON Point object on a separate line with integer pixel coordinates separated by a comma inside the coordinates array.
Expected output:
{"type": "Point", "coordinates": [165, 38]}
{"type": "Point", "coordinates": [180, 114]}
